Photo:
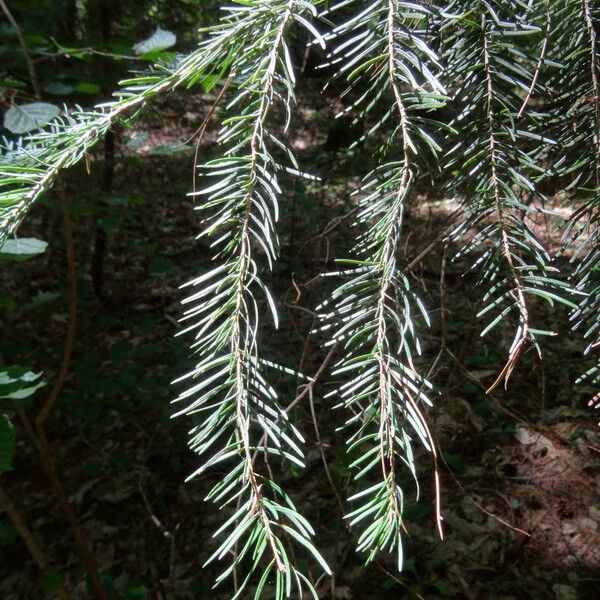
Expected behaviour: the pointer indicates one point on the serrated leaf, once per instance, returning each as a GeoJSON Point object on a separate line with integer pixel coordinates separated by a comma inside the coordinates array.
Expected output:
{"type": "Point", "coordinates": [161, 39]}
{"type": "Point", "coordinates": [27, 117]}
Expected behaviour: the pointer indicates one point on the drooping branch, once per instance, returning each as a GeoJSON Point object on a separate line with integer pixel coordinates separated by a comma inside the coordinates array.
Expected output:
{"type": "Point", "coordinates": [507, 252]}
{"type": "Point", "coordinates": [30, 165]}
{"type": "Point", "coordinates": [495, 171]}
{"type": "Point", "coordinates": [243, 416]}
{"type": "Point", "coordinates": [371, 313]}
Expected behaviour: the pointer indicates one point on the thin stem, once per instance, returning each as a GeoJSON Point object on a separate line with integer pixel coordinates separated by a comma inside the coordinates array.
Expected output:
{"type": "Point", "coordinates": [25, 533]}
{"type": "Point", "coordinates": [506, 250]}
{"type": "Point", "coordinates": [540, 62]}
{"type": "Point", "coordinates": [595, 82]}
{"type": "Point", "coordinates": [200, 131]}
{"type": "Point", "coordinates": [19, 32]}
{"type": "Point", "coordinates": [387, 257]}
{"type": "Point", "coordinates": [238, 352]}
{"type": "Point", "coordinates": [45, 449]}
{"type": "Point", "coordinates": [72, 316]}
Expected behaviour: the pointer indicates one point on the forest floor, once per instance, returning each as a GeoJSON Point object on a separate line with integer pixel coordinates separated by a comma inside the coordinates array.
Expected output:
{"type": "Point", "coordinates": [520, 468]}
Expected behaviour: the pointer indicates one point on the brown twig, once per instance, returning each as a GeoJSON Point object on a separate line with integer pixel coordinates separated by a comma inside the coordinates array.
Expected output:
{"type": "Point", "coordinates": [395, 578]}
{"type": "Point", "coordinates": [72, 316]}
{"type": "Point", "coordinates": [322, 452]}
{"type": "Point", "coordinates": [434, 451]}
{"type": "Point", "coordinates": [200, 131]}
{"type": "Point", "coordinates": [443, 329]}
{"type": "Point", "coordinates": [539, 65]}
{"type": "Point", "coordinates": [25, 533]}
{"type": "Point", "coordinates": [490, 396]}
{"type": "Point", "coordinates": [167, 533]}
{"type": "Point", "coordinates": [309, 386]}
{"type": "Point", "coordinates": [44, 446]}
{"type": "Point", "coordinates": [415, 261]}
{"type": "Point", "coordinates": [478, 505]}
{"type": "Point", "coordinates": [24, 48]}
{"type": "Point", "coordinates": [299, 397]}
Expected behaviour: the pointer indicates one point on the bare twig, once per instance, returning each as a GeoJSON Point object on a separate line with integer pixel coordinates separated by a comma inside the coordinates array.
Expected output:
{"type": "Point", "coordinates": [321, 450]}
{"type": "Point", "coordinates": [442, 288]}
{"type": "Point", "coordinates": [45, 450]}
{"type": "Point", "coordinates": [19, 32]}
{"type": "Point", "coordinates": [200, 131]}
{"type": "Point", "coordinates": [299, 397]}
{"type": "Point", "coordinates": [478, 505]}
{"type": "Point", "coordinates": [42, 444]}
{"type": "Point", "coordinates": [540, 62]}
{"type": "Point", "coordinates": [309, 386]}
{"type": "Point", "coordinates": [415, 261]}
{"type": "Point", "coordinates": [155, 520]}
{"type": "Point", "coordinates": [490, 395]}
{"type": "Point", "coordinates": [72, 316]}
{"type": "Point", "coordinates": [25, 533]}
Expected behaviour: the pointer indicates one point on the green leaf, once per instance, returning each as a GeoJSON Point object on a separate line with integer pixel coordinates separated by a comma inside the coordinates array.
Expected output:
{"type": "Point", "coordinates": [168, 150]}
{"type": "Point", "coordinates": [8, 534]}
{"type": "Point", "coordinates": [159, 267]}
{"type": "Point", "coordinates": [161, 39]}
{"type": "Point", "coordinates": [88, 88]}
{"type": "Point", "coordinates": [134, 590]}
{"type": "Point", "coordinates": [27, 117]}
{"type": "Point", "coordinates": [52, 582]}
{"type": "Point", "coordinates": [7, 443]}
{"type": "Point", "coordinates": [18, 383]}
{"type": "Point", "coordinates": [108, 223]}
{"type": "Point", "coordinates": [21, 249]}
{"type": "Point", "coordinates": [59, 89]}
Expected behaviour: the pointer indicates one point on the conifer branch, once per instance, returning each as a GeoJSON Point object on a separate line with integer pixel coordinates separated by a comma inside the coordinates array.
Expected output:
{"type": "Point", "coordinates": [495, 170]}
{"type": "Point", "coordinates": [371, 314]}
{"type": "Point", "coordinates": [578, 135]}
{"type": "Point", "coordinates": [242, 413]}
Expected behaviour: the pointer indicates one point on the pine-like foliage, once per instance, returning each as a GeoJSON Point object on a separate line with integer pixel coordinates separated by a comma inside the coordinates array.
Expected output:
{"type": "Point", "coordinates": [385, 52]}
{"type": "Point", "coordinates": [513, 74]}
{"type": "Point", "coordinates": [239, 417]}
{"type": "Point", "coordinates": [576, 87]}
{"type": "Point", "coordinates": [493, 171]}
{"type": "Point", "coordinates": [29, 165]}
